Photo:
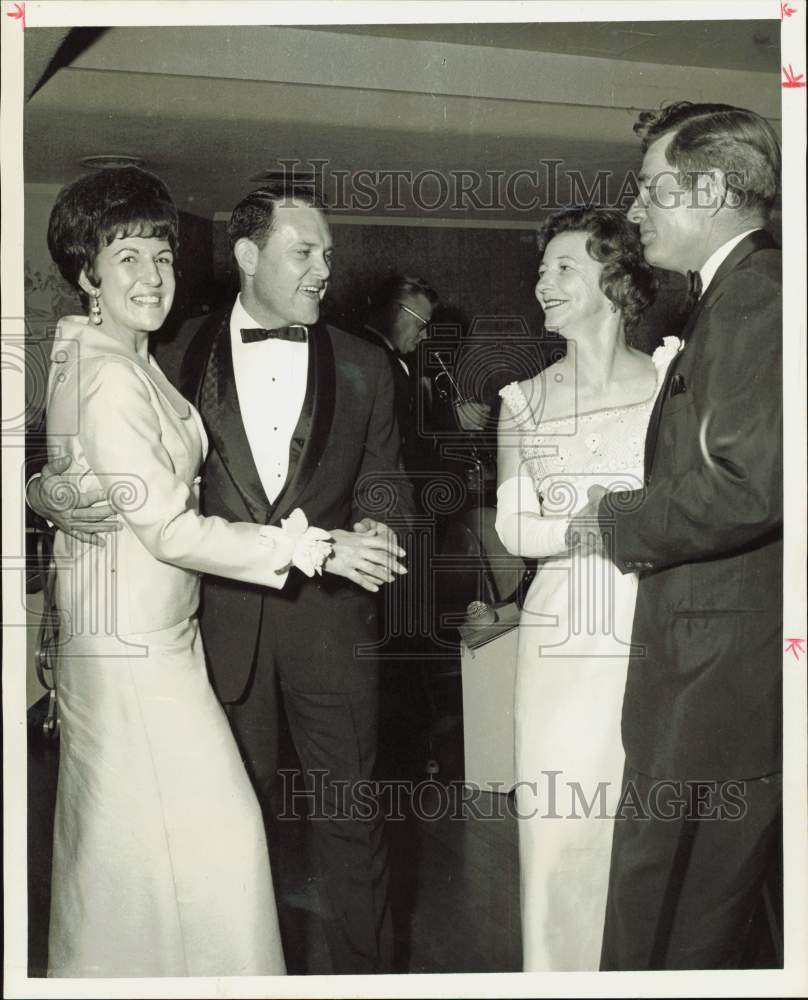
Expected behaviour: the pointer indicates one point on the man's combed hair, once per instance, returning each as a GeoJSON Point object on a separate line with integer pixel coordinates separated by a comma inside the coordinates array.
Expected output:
{"type": "Point", "coordinates": [100, 207]}
{"type": "Point", "coordinates": [614, 242]}
{"type": "Point", "coordinates": [254, 216]}
{"type": "Point", "coordinates": [719, 136]}
{"type": "Point", "coordinates": [401, 286]}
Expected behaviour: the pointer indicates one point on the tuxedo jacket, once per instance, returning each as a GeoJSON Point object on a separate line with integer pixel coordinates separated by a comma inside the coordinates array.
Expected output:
{"type": "Point", "coordinates": [704, 689]}
{"type": "Point", "coordinates": [418, 449]}
{"type": "Point", "coordinates": [344, 464]}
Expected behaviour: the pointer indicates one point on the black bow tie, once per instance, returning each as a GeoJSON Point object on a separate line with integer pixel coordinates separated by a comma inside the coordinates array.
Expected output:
{"type": "Point", "coordinates": [297, 333]}
{"type": "Point", "coordinates": [693, 289]}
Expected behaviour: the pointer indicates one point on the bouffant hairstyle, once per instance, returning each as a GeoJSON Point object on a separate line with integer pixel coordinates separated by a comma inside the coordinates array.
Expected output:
{"type": "Point", "coordinates": [254, 216]}
{"type": "Point", "coordinates": [100, 207]}
{"type": "Point", "coordinates": [719, 136]}
{"type": "Point", "coordinates": [614, 242]}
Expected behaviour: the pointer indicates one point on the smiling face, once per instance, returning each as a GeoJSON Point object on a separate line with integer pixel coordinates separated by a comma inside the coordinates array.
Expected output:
{"type": "Point", "coordinates": [135, 275]}
{"type": "Point", "coordinates": [284, 281]}
{"type": "Point", "coordinates": [568, 289]}
{"type": "Point", "coordinates": [673, 220]}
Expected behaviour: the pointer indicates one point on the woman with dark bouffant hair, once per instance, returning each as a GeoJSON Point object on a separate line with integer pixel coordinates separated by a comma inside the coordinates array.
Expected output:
{"type": "Point", "coordinates": [578, 424]}
{"type": "Point", "coordinates": [160, 864]}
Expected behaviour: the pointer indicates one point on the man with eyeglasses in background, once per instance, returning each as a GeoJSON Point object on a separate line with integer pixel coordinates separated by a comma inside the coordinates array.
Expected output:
{"type": "Point", "coordinates": [398, 320]}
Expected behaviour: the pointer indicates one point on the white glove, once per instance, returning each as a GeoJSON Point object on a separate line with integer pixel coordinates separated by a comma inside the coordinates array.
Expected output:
{"type": "Point", "coordinates": [520, 524]}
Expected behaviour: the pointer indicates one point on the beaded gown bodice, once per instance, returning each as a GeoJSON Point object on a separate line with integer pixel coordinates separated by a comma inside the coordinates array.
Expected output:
{"type": "Point", "coordinates": [564, 456]}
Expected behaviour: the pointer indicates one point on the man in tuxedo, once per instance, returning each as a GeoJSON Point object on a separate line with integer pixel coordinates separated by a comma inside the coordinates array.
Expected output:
{"type": "Point", "coordinates": [300, 414]}
{"type": "Point", "coordinates": [303, 423]}
{"type": "Point", "coordinates": [702, 727]}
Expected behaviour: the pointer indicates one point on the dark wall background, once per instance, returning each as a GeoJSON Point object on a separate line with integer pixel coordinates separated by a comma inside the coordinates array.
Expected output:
{"type": "Point", "coordinates": [488, 324]}
{"type": "Point", "coordinates": [485, 279]}
{"type": "Point", "coordinates": [480, 275]}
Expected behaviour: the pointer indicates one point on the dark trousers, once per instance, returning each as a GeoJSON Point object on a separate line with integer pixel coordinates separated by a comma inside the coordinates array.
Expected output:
{"type": "Point", "coordinates": [688, 864]}
{"type": "Point", "coordinates": [333, 726]}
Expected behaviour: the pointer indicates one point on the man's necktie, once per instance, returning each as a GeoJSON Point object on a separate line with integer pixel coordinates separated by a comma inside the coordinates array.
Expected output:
{"type": "Point", "coordinates": [296, 333]}
{"type": "Point", "coordinates": [693, 289]}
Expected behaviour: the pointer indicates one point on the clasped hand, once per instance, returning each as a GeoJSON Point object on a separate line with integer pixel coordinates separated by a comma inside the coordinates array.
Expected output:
{"type": "Point", "coordinates": [583, 530]}
{"type": "Point", "coordinates": [369, 555]}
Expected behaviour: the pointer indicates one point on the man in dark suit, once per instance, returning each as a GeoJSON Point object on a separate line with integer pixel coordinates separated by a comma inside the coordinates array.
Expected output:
{"type": "Point", "coordinates": [702, 713]}
{"type": "Point", "coordinates": [398, 321]}
{"type": "Point", "coordinates": [305, 422]}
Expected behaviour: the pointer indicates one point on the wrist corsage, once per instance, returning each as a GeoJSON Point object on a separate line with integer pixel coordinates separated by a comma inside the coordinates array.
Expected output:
{"type": "Point", "coordinates": [308, 547]}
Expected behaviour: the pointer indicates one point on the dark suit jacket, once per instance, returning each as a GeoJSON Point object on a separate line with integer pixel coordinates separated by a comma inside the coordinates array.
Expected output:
{"type": "Point", "coordinates": [704, 692]}
{"type": "Point", "coordinates": [344, 465]}
{"type": "Point", "coordinates": [404, 395]}
{"type": "Point", "coordinates": [417, 443]}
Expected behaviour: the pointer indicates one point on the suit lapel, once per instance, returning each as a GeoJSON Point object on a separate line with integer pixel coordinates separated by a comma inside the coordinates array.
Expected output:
{"type": "Point", "coordinates": [656, 413]}
{"type": "Point", "coordinates": [758, 240]}
{"type": "Point", "coordinates": [217, 400]}
{"type": "Point", "coordinates": [314, 425]}
{"type": "Point", "coordinates": [195, 359]}
{"type": "Point", "coordinates": [95, 342]}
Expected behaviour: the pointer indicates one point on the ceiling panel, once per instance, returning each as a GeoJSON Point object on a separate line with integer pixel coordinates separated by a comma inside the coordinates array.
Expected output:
{"type": "Point", "coordinates": [726, 44]}
{"type": "Point", "coordinates": [209, 133]}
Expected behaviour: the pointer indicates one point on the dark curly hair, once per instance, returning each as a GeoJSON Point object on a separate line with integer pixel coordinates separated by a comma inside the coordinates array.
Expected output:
{"type": "Point", "coordinates": [254, 216]}
{"type": "Point", "coordinates": [100, 207]}
{"type": "Point", "coordinates": [708, 136]}
{"type": "Point", "coordinates": [614, 242]}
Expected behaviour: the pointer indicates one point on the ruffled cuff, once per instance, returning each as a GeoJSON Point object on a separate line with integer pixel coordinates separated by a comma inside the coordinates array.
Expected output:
{"type": "Point", "coordinates": [299, 544]}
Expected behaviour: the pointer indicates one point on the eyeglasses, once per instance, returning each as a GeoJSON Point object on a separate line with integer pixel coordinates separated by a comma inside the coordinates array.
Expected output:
{"type": "Point", "coordinates": [424, 322]}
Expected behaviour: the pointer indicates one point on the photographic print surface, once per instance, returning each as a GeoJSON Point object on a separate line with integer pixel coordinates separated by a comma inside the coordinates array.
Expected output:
{"type": "Point", "coordinates": [425, 538]}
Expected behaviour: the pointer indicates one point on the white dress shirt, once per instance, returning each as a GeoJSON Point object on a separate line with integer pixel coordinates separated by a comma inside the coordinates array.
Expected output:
{"type": "Point", "coordinates": [271, 386]}
{"type": "Point", "coordinates": [717, 258]}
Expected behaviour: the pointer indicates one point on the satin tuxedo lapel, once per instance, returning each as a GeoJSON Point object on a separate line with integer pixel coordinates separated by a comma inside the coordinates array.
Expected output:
{"type": "Point", "coordinates": [217, 401]}
{"type": "Point", "coordinates": [759, 240]}
{"type": "Point", "coordinates": [195, 358]}
{"type": "Point", "coordinates": [314, 425]}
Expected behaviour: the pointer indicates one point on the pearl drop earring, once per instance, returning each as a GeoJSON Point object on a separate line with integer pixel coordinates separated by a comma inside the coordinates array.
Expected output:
{"type": "Point", "coordinates": [95, 308]}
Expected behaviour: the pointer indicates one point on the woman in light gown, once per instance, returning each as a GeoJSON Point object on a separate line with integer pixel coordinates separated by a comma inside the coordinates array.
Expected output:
{"type": "Point", "coordinates": [576, 426]}
{"type": "Point", "coordinates": [160, 864]}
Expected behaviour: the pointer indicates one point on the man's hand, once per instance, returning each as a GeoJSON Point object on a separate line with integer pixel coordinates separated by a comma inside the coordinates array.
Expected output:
{"type": "Point", "coordinates": [472, 416]}
{"type": "Point", "coordinates": [57, 498]}
{"type": "Point", "coordinates": [368, 555]}
{"type": "Point", "coordinates": [378, 528]}
{"type": "Point", "coordinates": [583, 530]}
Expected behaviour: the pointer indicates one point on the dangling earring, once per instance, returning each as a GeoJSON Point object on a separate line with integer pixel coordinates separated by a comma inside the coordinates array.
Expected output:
{"type": "Point", "coordinates": [612, 305]}
{"type": "Point", "coordinates": [95, 308]}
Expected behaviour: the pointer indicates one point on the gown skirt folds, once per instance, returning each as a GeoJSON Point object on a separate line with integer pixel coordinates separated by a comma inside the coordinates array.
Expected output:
{"type": "Point", "coordinates": [160, 861]}
{"type": "Point", "coordinates": [572, 662]}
